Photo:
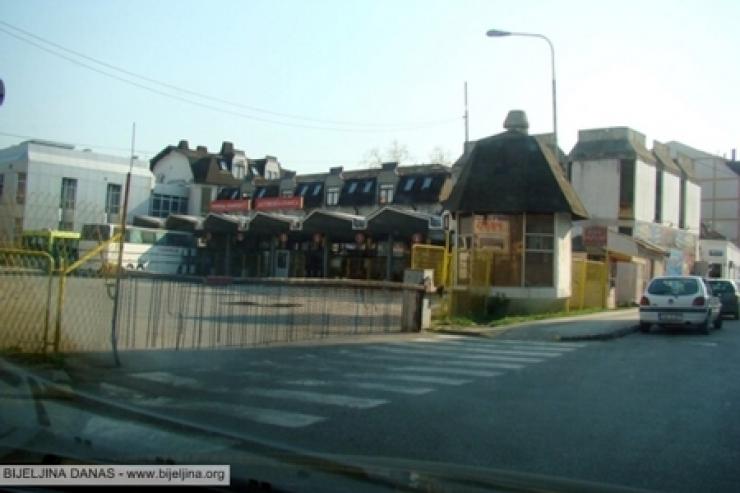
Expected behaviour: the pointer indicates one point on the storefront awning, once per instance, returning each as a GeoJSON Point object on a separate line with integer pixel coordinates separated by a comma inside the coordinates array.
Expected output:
{"type": "Point", "coordinates": [149, 222]}
{"type": "Point", "coordinates": [339, 225]}
{"type": "Point", "coordinates": [180, 222]}
{"type": "Point", "coordinates": [402, 223]}
{"type": "Point", "coordinates": [224, 223]}
{"type": "Point", "coordinates": [271, 224]}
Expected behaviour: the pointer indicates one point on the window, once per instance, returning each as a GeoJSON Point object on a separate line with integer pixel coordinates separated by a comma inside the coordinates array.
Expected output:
{"type": "Point", "coordinates": [287, 193]}
{"type": "Point", "coordinates": [20, 189]}
{"type": "Point", "coordinates": [302, 190]}
{"type": "Point", "coordinates": [386, 194]}
{"type": "Point", "coordinates": [427, 183]}
{"type": "Point", "coordinates": [352, 187]}
{"type": "Point", "coordinates": [164, 205]}
{"type": "Point", "coordinates": [316, 189]}
{"type": "Point", "coordinates": [332, 196]}
{"type": "Point", "coordinates": [261, 192]}
{"type": "Point", "coordinates": [239, 171]}
{"type": "Point", "coordinates": [69, 193]}
{"type": "Point", "coordinates": [2, 185]}
{"type": "Point", "coordinates": [368, 187]}
{"type": "Point", "coordinates": [113, 199]}
{"type": "Point", "coordinates": [539, 257]}
{"type": "Point", "coordinates": [409, 184]}
{"type": "Point", "coordinates": [223, 165]}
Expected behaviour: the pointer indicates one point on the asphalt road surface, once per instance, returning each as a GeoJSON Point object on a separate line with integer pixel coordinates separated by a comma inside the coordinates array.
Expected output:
{"type": "Point", "coordinates": [658, 411]}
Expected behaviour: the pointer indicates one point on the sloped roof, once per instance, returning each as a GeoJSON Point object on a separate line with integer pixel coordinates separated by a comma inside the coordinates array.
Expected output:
{"type": "Point", "coordinates": [513, 172]}
{"type": "Point", "coordinates": [663, 156]}
{"type": "Point", "coordinates": [610, 148]}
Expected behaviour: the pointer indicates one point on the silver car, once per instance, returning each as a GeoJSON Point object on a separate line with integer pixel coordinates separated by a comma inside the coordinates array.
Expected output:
{"type": "Point", "coordinates": [685, 301]}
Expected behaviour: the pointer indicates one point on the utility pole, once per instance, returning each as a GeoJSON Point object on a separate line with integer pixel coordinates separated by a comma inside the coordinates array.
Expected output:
{"type": "Point", "coordinates": [119, 265]}
{"type": "Point", "coordinates": [466, 116]}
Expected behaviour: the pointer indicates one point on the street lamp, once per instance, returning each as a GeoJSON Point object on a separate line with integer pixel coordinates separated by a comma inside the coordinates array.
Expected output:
{"type": "Point", "coordinates": [495, 33]}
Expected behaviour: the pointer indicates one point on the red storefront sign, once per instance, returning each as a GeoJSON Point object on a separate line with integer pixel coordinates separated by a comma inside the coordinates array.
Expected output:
{"type": "Point", "coordinates": [278, 203]}
{"type": "Point", "coordinates": [594, 236]}
{"type": "Point", "coordinates": [229, 206]}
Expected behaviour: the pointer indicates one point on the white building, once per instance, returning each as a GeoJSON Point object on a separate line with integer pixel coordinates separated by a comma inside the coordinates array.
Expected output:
{"type": "Point", "coordinates": [47, 185]}
{"type": "Point", "coordinates": [720, 190]}
{"type": "Point", "coordinates": [644, 205]}
{"type": "Point", "coordinates": [722, 258]}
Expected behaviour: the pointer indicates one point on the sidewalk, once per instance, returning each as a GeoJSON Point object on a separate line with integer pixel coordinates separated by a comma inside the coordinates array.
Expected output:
{"type": "Point", "coordinates": [595, 326]}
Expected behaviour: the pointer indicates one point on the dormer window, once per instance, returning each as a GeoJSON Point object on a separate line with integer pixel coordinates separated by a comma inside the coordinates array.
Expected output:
{"type": "Point", "coordinates": [352, 187]}
{"type": "Point", "coordinates": [409, 184]}
{"type": "Point", "coordinates": [261, 193]}
{"type": "Point", "coordinates": [427, 183]}
{"type": "Point", "coordinates": [317, 189]}
{"type": "Point", "coordinates": [223, 165]}
{"type": "Point", "coordinates": [368, 186]}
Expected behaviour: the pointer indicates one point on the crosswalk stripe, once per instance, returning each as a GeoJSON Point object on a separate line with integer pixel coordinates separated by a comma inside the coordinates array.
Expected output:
{"type": "Point", "coordinates": [454, 353]}
{"type": "Point", "coordinates": [396, 389]}
{"type": "Point", "coordinates": [168, 378]}
{"type": "Point", "coordinates": [500, 345]}
{"type": "Point", "coordinates": [316, 397]}
{"type": "Point", "coordinates": [574, 345]}
{"type": "Point", "coordinates": [446, 363]}
{"type": "Point", "coordinates": [501, 350]}
{"type": "Point", "coordinates": [411, 378]}
{"type": "Point", "coordinates": [448, 371]}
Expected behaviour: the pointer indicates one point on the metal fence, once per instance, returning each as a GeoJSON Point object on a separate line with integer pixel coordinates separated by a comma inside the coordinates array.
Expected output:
{"type": "Point", "coordinates": [47, 310]}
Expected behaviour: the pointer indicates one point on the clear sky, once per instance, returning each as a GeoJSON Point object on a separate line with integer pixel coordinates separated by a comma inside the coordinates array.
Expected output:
{"type": "Point", "coordinates": [320, 83]}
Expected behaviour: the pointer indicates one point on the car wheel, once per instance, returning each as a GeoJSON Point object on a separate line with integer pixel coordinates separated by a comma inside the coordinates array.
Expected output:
{"type": "Point", "coordinates": [718, 322]}
{"type": "Point", "coordinates": [645, 327]}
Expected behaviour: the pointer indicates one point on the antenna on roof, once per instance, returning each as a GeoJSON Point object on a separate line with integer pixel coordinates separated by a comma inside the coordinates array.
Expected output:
{"type": "Point", "coordinates": [466, 116]}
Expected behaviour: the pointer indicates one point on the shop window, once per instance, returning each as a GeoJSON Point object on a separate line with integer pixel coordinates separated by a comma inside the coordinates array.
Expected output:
{"type": "Point", "coordinates": [539, 258]}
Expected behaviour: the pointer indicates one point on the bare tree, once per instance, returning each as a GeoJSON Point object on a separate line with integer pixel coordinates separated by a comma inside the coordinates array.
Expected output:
{"type": "Point", "coordinates": [373, 158]}
{"type": "Point", "coordinates": [395, 152]}
{"type": "Point", "coordinates": [440, 155]}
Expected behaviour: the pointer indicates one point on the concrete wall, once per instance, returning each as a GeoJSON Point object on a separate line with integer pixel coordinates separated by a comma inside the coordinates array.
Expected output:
{"type": "Point", "coordinates": [693, 207]}
{"type": "Point", "coordinates": [645, 183]}
{"type": "Point", "coordinates": [671, 199]}
{"type": "Point", "coordinates": [588, 179]}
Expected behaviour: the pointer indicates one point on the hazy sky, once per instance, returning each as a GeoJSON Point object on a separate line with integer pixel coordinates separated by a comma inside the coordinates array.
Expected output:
{"type": "Point", "coordinates": [320, 83]}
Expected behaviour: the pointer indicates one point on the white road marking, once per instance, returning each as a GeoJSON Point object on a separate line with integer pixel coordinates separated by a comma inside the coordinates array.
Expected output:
{"type": "Point", "coordinates": [168, 378]}
{"type": "Point", "coordinates": [448, 371]}
{"type": "Point", "coordinates": [453, 353]}
{"type": "Point", "coordinates": [504, 345]}
{"type": "Point", "coordinates": [439, 363]}
{"type": "Point", "coordinates": [500, 350]}
{"type": "Point", "coordinates": [396, 389]}
{"type": "Point", "coordinates": [574, 345]}
{"type": "Point", "coordinates": [316, 397]}
{"type": "Point", "coordinates": [410, 378]}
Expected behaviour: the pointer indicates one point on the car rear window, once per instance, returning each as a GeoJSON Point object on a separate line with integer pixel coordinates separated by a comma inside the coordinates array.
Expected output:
{"type": "Point", "coordinates": [673, 286]}
{"type": "Point", "coordinates": [719, 287]}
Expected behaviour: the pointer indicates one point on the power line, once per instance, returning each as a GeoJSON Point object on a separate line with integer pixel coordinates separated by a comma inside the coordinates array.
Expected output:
{"type": "Point", "coordinates": [79, 144]}
{"type": "Point", "coordinates": [371, 127]}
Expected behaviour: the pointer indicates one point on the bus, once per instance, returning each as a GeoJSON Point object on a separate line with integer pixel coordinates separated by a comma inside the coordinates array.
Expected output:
{"type": "Point", "coordinates": [144, 249]}
{"type": "Point", "coordinates": [61, 245]}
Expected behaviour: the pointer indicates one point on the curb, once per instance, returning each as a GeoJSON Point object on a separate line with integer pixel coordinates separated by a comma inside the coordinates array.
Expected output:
{"type": "Point", "coordinates": [602, 336]}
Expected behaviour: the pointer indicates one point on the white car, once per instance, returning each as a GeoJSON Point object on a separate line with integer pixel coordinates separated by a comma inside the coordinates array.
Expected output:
{"type": "Point", "coordinates": [680, 301]}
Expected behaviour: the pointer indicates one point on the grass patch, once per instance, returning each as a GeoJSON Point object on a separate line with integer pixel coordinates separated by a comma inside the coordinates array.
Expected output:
{"type": "Point", "coordinates": [488, 321]}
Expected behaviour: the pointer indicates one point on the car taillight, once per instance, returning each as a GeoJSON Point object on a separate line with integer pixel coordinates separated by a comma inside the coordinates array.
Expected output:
{"type": "Point", "coordinates": [644, 301]}
{"type": "Point", "coordinates": [699, 301]}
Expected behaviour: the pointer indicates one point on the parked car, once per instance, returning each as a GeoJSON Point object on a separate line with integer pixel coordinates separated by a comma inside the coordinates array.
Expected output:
{"type": "Point", "coordinates": [728, 293]}
{"type": "Point", "coordinates": [685, 301]}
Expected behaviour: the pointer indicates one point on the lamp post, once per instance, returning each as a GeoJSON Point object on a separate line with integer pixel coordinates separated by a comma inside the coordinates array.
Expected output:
{"type": "Point", "coordinates": [495, 33]}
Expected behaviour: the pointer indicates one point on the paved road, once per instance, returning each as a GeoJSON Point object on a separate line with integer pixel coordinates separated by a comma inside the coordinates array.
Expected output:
{"type": "Point", "coordinates": [657, 411]}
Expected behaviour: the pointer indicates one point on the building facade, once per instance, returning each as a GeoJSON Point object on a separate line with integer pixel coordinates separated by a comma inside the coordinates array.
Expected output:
{"type": "Point", "coordinates": [720, 189]}
{"type": "Point", "coordinates": [47, 185]}
{"type": "Point", "coordinates": [644, 207]}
